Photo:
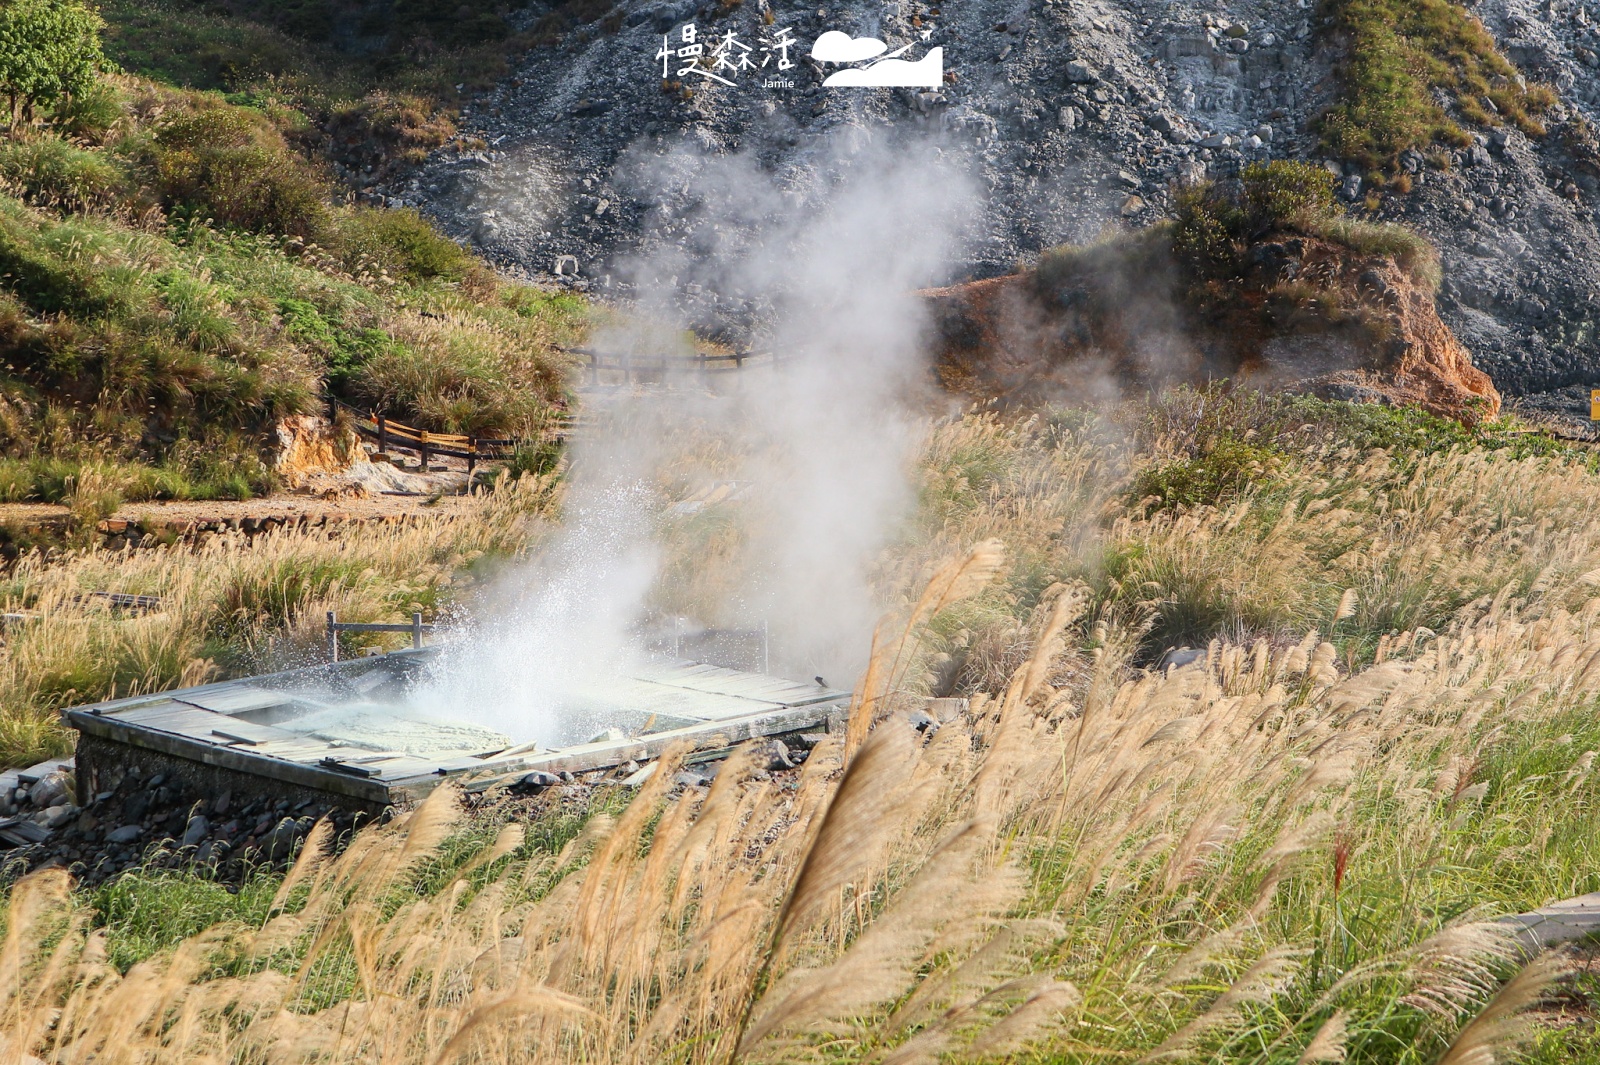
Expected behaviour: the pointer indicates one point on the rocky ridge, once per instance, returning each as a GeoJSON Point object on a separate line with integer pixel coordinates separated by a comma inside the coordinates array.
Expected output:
{"type": "Point", "coordinates": [1073, 115]}
{"type": "Point", "coordinates": [1308, 315]}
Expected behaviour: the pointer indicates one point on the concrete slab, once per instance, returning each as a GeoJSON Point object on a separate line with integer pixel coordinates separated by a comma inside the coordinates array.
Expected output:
{"type": "Point", "coordinates": [348, 729]}
{"type": "Point", "coordinates": [1568, 921]}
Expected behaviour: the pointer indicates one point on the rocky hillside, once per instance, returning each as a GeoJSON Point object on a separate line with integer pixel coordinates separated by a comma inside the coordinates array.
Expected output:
{"type": "Point", "coordinates": [1078, 115]}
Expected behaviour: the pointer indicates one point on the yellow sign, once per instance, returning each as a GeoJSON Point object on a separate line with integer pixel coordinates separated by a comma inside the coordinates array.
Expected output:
{"type": "Point", "coordinates": [1594, 404]}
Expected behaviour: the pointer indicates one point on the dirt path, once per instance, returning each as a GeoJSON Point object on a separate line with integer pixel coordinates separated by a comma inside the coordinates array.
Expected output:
{"type": "Point", "coordinates": [282, 504]}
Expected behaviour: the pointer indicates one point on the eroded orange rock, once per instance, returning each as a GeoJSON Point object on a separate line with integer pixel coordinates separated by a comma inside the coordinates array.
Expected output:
{"type": "Point", "coordinates": [1307, 315]}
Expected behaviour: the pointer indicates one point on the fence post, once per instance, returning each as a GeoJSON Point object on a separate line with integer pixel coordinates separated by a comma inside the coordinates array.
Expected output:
{"type": "Point", "coordinates": [422, 446]}
{"type": "Point", "coordinates": [416, 630]}
{"type": "Point", "coordinates": [472, 454]}
{"type": "Point", "coordinates": [333, 638]}
{"type": "Point", "coordinates": [383, 434]}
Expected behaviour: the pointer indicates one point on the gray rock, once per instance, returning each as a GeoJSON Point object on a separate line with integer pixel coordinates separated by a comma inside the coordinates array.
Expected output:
{"type": "Point", "coordinates": [1178, 657]}
{"type": "Point", "coordinates": [51, 789]}
{"type": "Point", "coordinates": [773, 756]}
{"type": "Point", "coordinates": [56, 816]}
{"type": "Point", "coordinates": [199, 828]}
{"type": "Point", "coordinates": [125, 834]}
{"type": "Point", "coordinates": [279, 843]}
{"type": "Point", "coordinates": [1079, 74]}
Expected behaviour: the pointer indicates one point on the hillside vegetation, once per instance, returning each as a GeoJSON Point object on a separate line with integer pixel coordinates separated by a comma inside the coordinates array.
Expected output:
{"type": "Point", "coordinates": [1290, 850]}
{"type": "Point", "coordinates": [1400, 59]}
{"type": "Point", "coordinates": [175, 277]}
{"type": "Point", "coordinates": [1260, 278]}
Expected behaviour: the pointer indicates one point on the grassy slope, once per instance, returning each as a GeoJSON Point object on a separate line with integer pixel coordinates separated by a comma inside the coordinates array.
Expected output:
{"type": "Point", "coordinates": [1392, 739]}
{"type": "Point", "coordinates": [1396, 55]}
{"type": "Point", "coordinates": [177, 282]}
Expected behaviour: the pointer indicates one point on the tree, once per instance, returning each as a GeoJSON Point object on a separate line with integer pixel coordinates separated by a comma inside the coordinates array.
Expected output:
{"type": "Point", "coordinates": [49, 51]}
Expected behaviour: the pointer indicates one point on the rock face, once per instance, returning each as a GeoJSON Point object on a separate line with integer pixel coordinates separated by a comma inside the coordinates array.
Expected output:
{"type": "Point", "coordinates": [309, 446]}
{"type": "Point", "coordinates": [1129, 319]}
{"type": "Point", "coordinates": [1075, 116]}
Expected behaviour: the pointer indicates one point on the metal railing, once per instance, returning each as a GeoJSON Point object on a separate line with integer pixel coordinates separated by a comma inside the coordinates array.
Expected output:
{"type": "Point", "coordinates": [417, 628]}
{"type": "Point", "coordinates": [720, 646]}
{"type": "Point", "coordinates": [629, 364]}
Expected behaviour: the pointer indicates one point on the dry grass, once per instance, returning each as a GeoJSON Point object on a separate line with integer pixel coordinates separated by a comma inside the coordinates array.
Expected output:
{"type": "Point", "coordinates": [1292, 850]}
{"type": "Point", "coordinates": [1151, 870]}
{"type": "Point", "coordinates": [233, 605]}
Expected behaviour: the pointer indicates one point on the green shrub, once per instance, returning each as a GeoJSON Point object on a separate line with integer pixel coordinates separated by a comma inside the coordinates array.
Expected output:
{"type": "Point", "coordinates": [1285, 192]}
{"type": "Point", "coordinates": [402, 244]}
{"type": "Point", "coordinates": [474, 385]}
{"type": "Point", "coordinates": [346, 350]}
{"type": "Point", "coordinates": [49, 51]}
{"type": "Point", "coordinates": [89, 114]}
{"type": "Point", "coordinates": [538, 457]}
{"type": "Point", "coordinates": [1223, 467]}
{"type": "Point", "coordinates": [198, 312]}
{"type": "Point", "coordinates": [1213, 219]}
{"type": "Point", "coordinates": [49, 171]}
{"type": "Point", "coordinates": [231, 166]}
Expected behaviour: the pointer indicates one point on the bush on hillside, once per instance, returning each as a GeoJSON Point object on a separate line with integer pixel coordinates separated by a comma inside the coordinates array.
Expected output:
{"type": "Point", "coordinates": [1401, 57]}
{"type": "Point", "coordinates": [403, 245]}
{"type": "Point", "coordinates": [50, 172]}
{"type": "Point", "coordinates": [457, 380]}
{"type": "Point", "coordinates": [90, 114]}
{"type": "Point", "coordinates": [230, 165]}
{"type": "Point", "coordinates": [1222, 467]}
{"type": "Point", "coordinates": [1214, 219]}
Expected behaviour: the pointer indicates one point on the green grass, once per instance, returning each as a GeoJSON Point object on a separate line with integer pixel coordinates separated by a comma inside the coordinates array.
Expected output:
{"type": "Point", "coordinates": [1396, 53]}
{"type": "Point", "coordinates": [290, 48]}
{"type": "Point", "coordinates": [170, 292]}
{"type": "Point", "coordinates": [144, 913]}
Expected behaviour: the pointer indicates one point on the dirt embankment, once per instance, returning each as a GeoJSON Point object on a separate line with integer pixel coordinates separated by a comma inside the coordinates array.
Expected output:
{"type": "Point", "coordinates": [1306, 315]}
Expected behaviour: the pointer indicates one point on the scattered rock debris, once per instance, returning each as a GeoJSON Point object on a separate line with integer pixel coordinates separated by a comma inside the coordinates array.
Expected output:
{"type": "Point", "coordinates": [159, 821]}
{"type": "Point", "coordinates": [1074, 117]}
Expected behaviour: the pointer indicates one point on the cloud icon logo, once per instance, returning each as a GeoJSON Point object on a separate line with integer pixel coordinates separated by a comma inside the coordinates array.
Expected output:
{"type": "Point", "coordinates": [836, 47]}
{"type": "Point", "coordinates": [925, 73]}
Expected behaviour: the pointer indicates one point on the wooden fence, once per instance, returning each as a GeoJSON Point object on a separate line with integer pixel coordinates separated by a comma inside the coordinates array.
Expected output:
{"type": "Point", "coordinates": [647, 366]}
{"type": "Point", "coordinates": [392, 434]}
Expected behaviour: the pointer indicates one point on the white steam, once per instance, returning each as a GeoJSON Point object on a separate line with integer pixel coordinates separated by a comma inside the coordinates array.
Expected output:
{"type": "Point", "coordinates": [828, 259]}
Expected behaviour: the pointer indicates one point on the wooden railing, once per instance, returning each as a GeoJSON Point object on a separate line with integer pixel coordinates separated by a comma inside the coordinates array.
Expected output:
{"type": "Point", "coordinates": [391, 434]}
{"type": "Point", "coordinates": [629, 365]}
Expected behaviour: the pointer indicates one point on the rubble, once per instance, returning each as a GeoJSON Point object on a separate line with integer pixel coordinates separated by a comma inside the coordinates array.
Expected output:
{"type": "Point", "coordinates": [1046, 112]}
